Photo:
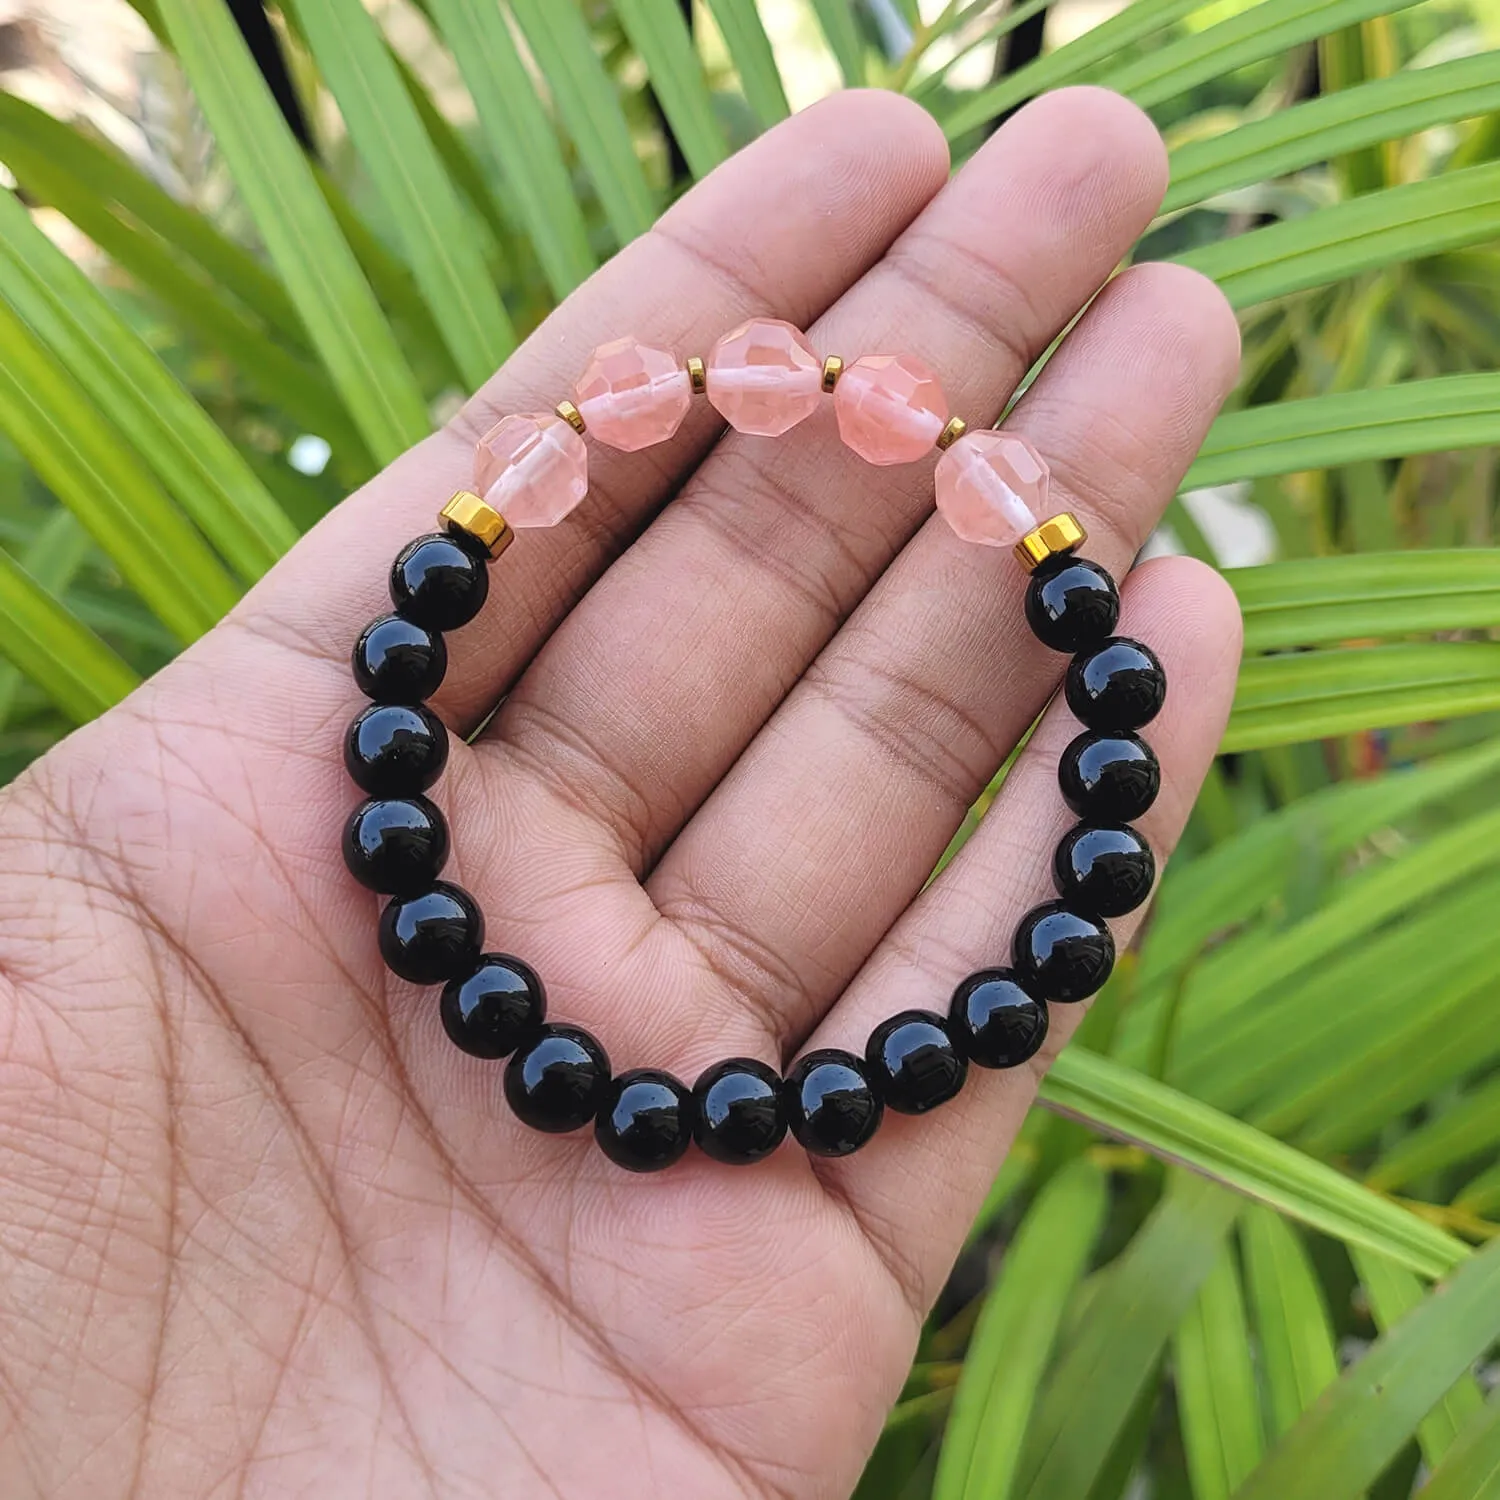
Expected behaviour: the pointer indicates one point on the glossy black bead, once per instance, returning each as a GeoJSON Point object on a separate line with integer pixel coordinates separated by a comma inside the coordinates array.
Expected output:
{"type": "Point", "coordinates": [395, 749]}
{"type": "Point", "coordinates": [397, 846]}
{"type": "Point", "coordinates": [738, 1117]}
{"type": "Point", "coordinates": [490, 1011]}
{"type": "Point", "coordinates": [913, 1063]}
{"type": "Point", "coordinates": [1103, 868]}
{"type": "Point", "coordinates": [432, 937]}
{"type": "Point", "coordinates": [1062, 954]}
{"type": "Point", "coordinates": [555, 1081]}
{"type": "Point", "coordinates": [1109, 778]}
{"type": "Point", "coordinates": [439, 582]}
{"type": "Point", "coordinates": [398, 661]}
{"type": "Point", "coordinates": [1118, 685]}
{"type": "Point", "coordinates": [994, 1022]}
{"type": "Point", "coordinates": [1071, 604]}
{"type": "Point", "coordinates": [831, 1106]}
{"type": "Point", "coordinates": [645, 1120]}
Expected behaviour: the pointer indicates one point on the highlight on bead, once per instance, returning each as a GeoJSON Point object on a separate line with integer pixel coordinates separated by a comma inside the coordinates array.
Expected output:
{"type": "Point", "coordinates": [531, 470]}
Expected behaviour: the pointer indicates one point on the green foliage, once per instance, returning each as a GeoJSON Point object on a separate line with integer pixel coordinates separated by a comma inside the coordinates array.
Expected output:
{"type": "Point", "coordinates": [1307, 1031]}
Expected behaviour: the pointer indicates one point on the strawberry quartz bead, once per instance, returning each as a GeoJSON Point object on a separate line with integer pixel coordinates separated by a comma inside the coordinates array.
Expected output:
{"type": "Point", "coordinates": [992, 487]}
{"type": "Point", "coordinates": [633, 395]}
{"type": "Point", "coordinates": [763, 377]}
{"type": "Point", "coordinates": [890, 408]}
{"type": "Point", "coordinates": [533, 469]}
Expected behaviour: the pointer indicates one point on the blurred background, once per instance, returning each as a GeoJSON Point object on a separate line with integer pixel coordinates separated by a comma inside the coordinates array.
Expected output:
{"type": "Point", "coordinates": [249, 253]}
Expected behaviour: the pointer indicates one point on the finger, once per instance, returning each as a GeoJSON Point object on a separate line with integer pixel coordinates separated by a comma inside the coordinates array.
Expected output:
{"type": "Point", "coordinates": [781, 228]}
{"type": "Point", "coordinates": [916, 1187]}
{"type": "Point", "coordinates": [839, 811]}
{"type": "Point", "coordinates": [708, 620]}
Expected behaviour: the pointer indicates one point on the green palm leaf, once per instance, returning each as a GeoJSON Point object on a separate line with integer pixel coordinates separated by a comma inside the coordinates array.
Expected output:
{"type": "Point", "coordinates": [444, 252]}
{"type": "Point", "coordinates": [78, 672]}
{"type": "Point", "coordinates": [1289, 139]}
{"type": "Point", "coordinates": [1179, 1128]}
{"type": "Point", "coordinates": [91, 467]}
{"type": "Point", "coordinates": [1014, 1337]}
{"type": "Point", "coordinates": [326, 286]}
{"type": "Point", "coordinates": [1367, 233]}
{"type": "Point", "coordinates": [589, 107]}
{"type": "Point", "coordinates": [1358, 1425]}
{"type": "Point", "coordinates": [749, 47]}
{"type": "Point", "coordinates": [189, 454]}
{"type": "Point", "coordinates": [520, 135]}
{"type": "Point", "coordinates": [1217, 1400]}
{"type": "Point", "coordinates": [1417, 416]}
{"type": "Point", "coordinates": [658, 32]}
{"type": "Point", "coordinates": [1294, 1332]}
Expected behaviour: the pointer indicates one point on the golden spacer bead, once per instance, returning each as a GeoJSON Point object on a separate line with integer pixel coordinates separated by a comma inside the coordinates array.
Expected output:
{"type": "Point", "coordinates": [952, 432]}
{"type": "Point", "coordinates": [571, 415]}
{"type": "Point", "coordinates": [1058, 534]}
{"type": "Point", "coordinates": [697, 375]}
{"type": "Point", "coordinates": [833, 367]}
{"type": "Point", "coordinates": [479, 519]}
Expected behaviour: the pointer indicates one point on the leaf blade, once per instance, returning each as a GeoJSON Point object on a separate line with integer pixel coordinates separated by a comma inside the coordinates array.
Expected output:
{"type": "Point", "coordinates": [1341, 1445]}
{"type": "Point", "coordinates": [589, 105]}
{"type": "Point", "coordinates": [1015, 1334]}
{"type": "Point", "coordinates": [316, 265]}
{"type": "Point", "coordinates": [55, 649]}
{"type": "Point", "coordinates": [520, 135]}
{"type": "Point", "coordinates": [388, 133]}
{"type": "Point", "coordinates": [657, 31]}
{"type": "Point", "coordinates": [188, 452]}
{"type": "Point", "coordinates": [1179, 1128]}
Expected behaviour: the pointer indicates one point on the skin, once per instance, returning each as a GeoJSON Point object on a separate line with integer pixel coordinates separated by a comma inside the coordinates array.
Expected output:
{"type": "Point", "coordinates": [265, 1232]}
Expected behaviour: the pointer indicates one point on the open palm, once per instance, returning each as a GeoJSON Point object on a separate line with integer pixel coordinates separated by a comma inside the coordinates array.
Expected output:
{"type": "Point", "coordinates": [265, 1231]}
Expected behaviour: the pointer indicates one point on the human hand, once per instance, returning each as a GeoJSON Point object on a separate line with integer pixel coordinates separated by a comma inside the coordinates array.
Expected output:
{"type": "Point", "coordinates": [265, 1231]}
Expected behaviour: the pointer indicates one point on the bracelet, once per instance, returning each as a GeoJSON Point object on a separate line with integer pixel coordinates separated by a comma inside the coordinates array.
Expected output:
{"type": "Point", "coordinates": [532, 470]}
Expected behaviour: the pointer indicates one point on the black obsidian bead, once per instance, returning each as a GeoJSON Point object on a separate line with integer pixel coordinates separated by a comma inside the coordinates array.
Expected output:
{"type": "Point", "coordinates": [395, 749]}
{"type": "Point", "coordinates": [913, 1063]}
{"type": "Point", "coordinates": [645, 1120]}
{"type": "Point", "coordinates": [1118, 685]}
{"type": "Point", "coordinates": [492, 1010]}
{"type": "Point", "coordinates": [1106, 869]}
{"type": "Point", "coordinates": [738, 1115]}
{"type": "Point", "coordinates": [1109, 778]}
{"type": "Point", "coordinates": [439, 582]}
{"type": "Point", "coordinates": [398, 661]}
{"type": "Point", "coordinates": [1071, 604]}
{"type": "Point", "coordinates": [397, 846]}
{"type": "Point", "coordinates": [432, 937]}
{"type": "Point", "coordinates": [1062, 954]}
{"type": "Point", "coordinates": [830, 1104]}
{"type": "Point", "coordinates": [555, 1081]}
{"type": "Point", "coordinates": [994, 1022]}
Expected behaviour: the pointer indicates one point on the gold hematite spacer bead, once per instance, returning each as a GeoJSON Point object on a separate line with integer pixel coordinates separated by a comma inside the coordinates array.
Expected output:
{"type": "Point", "coordinates": [1058, 534]}
{"type": "Point", "coordinates": [833, 367]}
{"type": "Point", "coordinates": [570, 414]}
{"type": "Point", "coordinates": [479, 519]}
{"type": "Point", "coordinates": [952, 432]}
{"type": "Point", "coordinates": [697, 375]}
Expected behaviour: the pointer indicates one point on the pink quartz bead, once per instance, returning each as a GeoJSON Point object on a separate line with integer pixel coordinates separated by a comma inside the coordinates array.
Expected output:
{"type": "Point", "coordinates": [890, 408]}
{"type": "Point", "coordinates": [992, 487]}
{"type": "Point", "coordinates": [632, 394]}
{"type": "Point", "coordinates": [533, 469]}
{"type": "Point", "coordinates": [763, 377]}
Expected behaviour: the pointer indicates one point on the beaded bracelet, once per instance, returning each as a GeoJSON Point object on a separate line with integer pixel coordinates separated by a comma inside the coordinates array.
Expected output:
{"type": "Point", "coordinates": [532, 470]}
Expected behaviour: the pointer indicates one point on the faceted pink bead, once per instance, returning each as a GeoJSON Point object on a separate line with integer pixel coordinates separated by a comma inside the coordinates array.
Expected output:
{"type": "Point", "coordinates": [764, 378]}
{"type": "Point", "coordinates": [633, 395]}
{"type": "Point", "coordinates": [992, 487]}
{"type": "Point", "coordinates": [533, 469]}
{"type": "Point", "coordinates": [890, 408]}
